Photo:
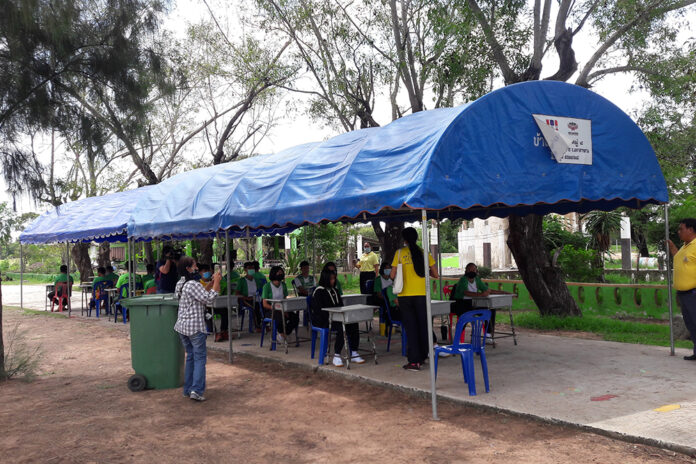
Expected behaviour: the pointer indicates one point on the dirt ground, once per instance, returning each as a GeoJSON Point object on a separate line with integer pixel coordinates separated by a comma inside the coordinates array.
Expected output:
{"type": "Point", "coordinates": [79, 410]}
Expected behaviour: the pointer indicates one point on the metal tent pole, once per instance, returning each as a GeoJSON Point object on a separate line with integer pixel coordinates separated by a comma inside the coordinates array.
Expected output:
{"type": "Point", "coordinates": [248, 245]}
{"type": "Point", "coordinates": [314, 252]}
{"type": "Point", "coordinates": [129, 267]}
{"type": "Point", "coordinates": [439, 253]}
{"type": "Point", "coordinates": [669, 284]}
{"type": "Point", "coordinates": [229, 290]}
{"type": "Point", "coordinates": [429, 311]}
{"type": "Point", "coordinates": [67, 246]}
{"type": "Point", "coordinates": [21, 276]}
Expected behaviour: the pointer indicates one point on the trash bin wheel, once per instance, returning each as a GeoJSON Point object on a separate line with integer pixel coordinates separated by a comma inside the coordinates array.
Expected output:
{"type": "Point", "coordinates": [137, 383]}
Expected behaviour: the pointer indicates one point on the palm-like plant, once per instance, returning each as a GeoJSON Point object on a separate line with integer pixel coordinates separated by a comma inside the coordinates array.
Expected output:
{"type": "Point", "coordinates": [600, 225]}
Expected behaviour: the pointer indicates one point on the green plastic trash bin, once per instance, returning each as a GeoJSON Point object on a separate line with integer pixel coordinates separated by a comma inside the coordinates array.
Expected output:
{"type": "Point", "coordinates": [157, 355]}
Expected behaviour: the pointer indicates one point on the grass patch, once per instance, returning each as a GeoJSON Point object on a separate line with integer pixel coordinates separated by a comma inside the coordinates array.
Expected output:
{"type": "Point", "coordinates": [609, 329]}
{"type": "Point", "coordinates": [452, 261]}
{"type": "Point", "coordinates": [34, 312]}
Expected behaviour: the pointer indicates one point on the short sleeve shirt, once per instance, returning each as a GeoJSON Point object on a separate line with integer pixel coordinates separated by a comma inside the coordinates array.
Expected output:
{"type": "Point", "coordinates": [304, 282]}
{"type": "Point", "coordinates": [414, 285]}
{"type": "Point", "coordinates": [246, 287]}
{"type": "Point", "coordinates": [271, 292]}
{"type": "Point", "coordinates": [368, 261]}
{"type": "Point", "coordinates": [685, 267]}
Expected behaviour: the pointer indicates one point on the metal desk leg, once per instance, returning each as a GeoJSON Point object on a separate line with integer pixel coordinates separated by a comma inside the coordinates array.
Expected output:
{"type": "Point", "coordinates": [297, 331]}
{"type": "Point", "coordinates": [285, 336]}
{"type": "Point", "coordinates": [512, 325]}
{"type": "Point", "coordinates": [328, 342]}
{"type": "Point", "coordinates": [347, 346]}
{"type": "Point", "coordinates": [372, 341]}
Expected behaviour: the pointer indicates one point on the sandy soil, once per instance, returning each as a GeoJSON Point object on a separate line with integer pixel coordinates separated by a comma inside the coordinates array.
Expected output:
{"type": "Point", "coordinates": [80, 410]}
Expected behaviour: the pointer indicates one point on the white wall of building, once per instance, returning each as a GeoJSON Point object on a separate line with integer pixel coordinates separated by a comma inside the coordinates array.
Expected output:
{"type": "Point", "coordinates": [480, 231]}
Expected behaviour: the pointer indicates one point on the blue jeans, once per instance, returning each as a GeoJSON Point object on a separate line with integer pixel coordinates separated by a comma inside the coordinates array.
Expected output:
{"type": "Point", "coordinates": [194, 373]}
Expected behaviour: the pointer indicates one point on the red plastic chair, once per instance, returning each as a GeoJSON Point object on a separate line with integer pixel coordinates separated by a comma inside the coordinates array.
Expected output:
{"type": "Point", "coordinates": [151, 290]}
{"type": "Point", "coordinates": [62, 300]}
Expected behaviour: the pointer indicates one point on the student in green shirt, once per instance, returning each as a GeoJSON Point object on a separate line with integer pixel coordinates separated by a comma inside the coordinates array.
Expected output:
{"type": "Point", "coordinates": [246, 289]}
{"type": "Point", "coordinates": [258, 275]}
{"type": "Point", "coordinates": [234, 279]}
{"type": "Point", "coordinates": [101, 273]}
{"type": "Point", "coordinates": [331, 266]}
{"type": "Point", "coordinates": [123, 279]}
{"type": "Point", "coordinates": [111, 275]}
{"type": "Point", "coordinates": [150, 284]}
{"type": "Point", "coordinates": [277, 290]}
{"type": "Point", "coordinates": [62, 277]}
{"type": "Point", "coordinates": [149, 274]}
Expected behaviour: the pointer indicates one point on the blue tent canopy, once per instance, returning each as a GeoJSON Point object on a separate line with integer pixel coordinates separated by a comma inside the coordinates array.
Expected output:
{"type": "Point", "coordinates": [93, 219]}
{"type": "Point", "coordinates": [477, 160]}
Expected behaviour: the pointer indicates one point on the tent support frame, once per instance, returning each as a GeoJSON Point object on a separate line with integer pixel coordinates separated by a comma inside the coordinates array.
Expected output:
{"type": "Point", "coordinates": [228, 260]}
{"type": "Point", "coordinates": [21, 276]}
{"type": "Point", "coordinates": [429, 311]}
{"type": "Point", "coordinates": [669, 283]}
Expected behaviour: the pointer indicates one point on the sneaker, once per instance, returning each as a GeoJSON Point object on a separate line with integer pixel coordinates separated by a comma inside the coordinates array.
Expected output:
{"type": "Point", "coordinates": [690, 358]}
{"type": "Point", "coordinates": [355, 358]}
{"type": "Point", "coordinates": [280, 338]}
{"type": "Point", "coordinates": [412, 367]}
{"type": "Point", "coordinates": [488, 335]}
{"type": "Point", "coordinates": [196, 397]}
{"type": "Point", "coordinates": [337, 361]}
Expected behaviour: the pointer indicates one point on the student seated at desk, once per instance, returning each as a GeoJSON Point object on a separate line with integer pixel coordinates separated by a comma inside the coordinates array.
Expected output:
{"type": "Point", "coordinates": [246, 289]}
{"type": "Point", "coordinates": [331, 266]}
{"type": "Point", "coordinates": [135, 279]}
{"type": "Point", "coordinates": [206, 279]}
{"type": "Point", "coordinates": [258, 275]}
{"type": "Point", "coordinates": [384, 282]}
{"type": "Point", "coordinates": [471, 285]}
{"type": "Point", "coordinates": [304, 283]}
{"type": "Point", "coordinates": [111, 275]}
{"type": "Point", "coordinates": [326, 296]}
{"type": "Point", "coordinates": [149, 274]}
{"type": "Point", "coordinates": [277, 290]}
{"type": "Point", "coordinates": [101, 273]}
{"type": "Point", "coordinates": [62, 277]}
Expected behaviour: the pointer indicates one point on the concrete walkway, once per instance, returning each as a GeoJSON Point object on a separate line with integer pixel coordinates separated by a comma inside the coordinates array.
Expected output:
{"type": "Point", "coordinates": [635, 392]}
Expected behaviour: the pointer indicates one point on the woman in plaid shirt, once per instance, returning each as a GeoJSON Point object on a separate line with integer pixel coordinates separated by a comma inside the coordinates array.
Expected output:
{"type": "Point", "coordinates": [190, 324]}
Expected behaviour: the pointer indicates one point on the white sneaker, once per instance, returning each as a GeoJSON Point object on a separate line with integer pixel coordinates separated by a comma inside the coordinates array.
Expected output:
{"type": "Point", "coordinates": [280, 338]}
{"type": "Point", "coordinates": [488, 335]}
{"type": "Point", "coordinates": [337, 361]}
{"type": "Point", "coordinates": [355, 358]}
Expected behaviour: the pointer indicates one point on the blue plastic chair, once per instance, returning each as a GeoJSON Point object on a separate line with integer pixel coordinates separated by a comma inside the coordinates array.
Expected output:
{"type": "Point", "coordinates": [477, 319]}
{"type": "Point", "coordinates": [390, 325]}
{"type": "Point", "coordinates": [117, 304]}
{"type": "Point", "coordinates": [103, 298]}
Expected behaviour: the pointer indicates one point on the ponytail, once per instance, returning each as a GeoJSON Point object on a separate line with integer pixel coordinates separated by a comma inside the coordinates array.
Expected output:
{"type": "Point", "coordinates": [411, 237]}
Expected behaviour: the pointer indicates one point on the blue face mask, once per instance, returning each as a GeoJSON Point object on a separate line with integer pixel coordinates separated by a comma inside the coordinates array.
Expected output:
{"type": "Point", "coordinates": [387, 272]}
{"type": "Point", "coordinates": [207, 275]}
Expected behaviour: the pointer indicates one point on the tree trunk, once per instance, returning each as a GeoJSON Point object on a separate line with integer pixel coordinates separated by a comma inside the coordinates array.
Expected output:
{"type": "Point", "coordinates": [205, 251]}
{"type": "Point", "coordinates": [149, 255]}
{"type": "Point", "coordinates": [80, 256]}
{"type": "Point", "coordinates": [2, 342]}
{"type": "Point", "coordinates": [544, 282]}
{"type": "Point", "coordinates": [104, 254]}
{"type": "Point", "coordinates": [390, 240]}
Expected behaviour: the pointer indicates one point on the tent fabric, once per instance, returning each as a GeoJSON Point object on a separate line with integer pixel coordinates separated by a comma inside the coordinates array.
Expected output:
{"type": "Point", "coordinates": [97, 219]}
{"type": "Point", "coordinates": [477, 160]}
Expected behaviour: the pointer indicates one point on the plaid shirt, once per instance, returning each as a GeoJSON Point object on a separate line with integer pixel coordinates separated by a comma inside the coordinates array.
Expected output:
{"type": "Point", "coordinates": [192, 300]}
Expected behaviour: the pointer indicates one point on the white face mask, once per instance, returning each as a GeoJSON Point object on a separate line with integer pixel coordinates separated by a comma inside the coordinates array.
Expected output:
{"type": "Point", "coordinates": [387, 272]}
{"type": "Point", "coordinates": [368, 249]}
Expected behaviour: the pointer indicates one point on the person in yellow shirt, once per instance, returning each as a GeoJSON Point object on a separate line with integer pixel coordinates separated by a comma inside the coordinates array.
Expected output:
{"type": "Point", "coordinates": [414, 316]}
{"type": "Point", "coordinates": [684, 260]}
{"type": "Point", "coordinates": [369, 267]}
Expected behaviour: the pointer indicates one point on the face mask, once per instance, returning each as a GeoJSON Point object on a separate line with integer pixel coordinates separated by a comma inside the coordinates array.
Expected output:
{"type": "Point", "coordinates": [281, 277]}
{"type": "Point", "coordinates": [470, 275]}
{"type": "Point", "coordinates": [206, 275]}
{"type": "Point", "coordinates": [367, 250]}
{"type": "Point", "coordinates": [387, 272]}
{"type": "Point", "coordinates": [250, 272]}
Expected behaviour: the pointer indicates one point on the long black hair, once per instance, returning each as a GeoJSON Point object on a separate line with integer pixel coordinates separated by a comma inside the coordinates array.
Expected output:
{"type": "Point", "coordinates": [184, 262]}
{"type": "Point", "coordinates": [275, 272]}
{"type": "Point", "coordinates": [325, 279]}
{"type": "Point", "coordinates": [411, 237]}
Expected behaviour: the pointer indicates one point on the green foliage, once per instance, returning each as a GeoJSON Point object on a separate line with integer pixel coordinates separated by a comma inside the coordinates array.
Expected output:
{"type": "Point", "coordinates": [578, 264]}
{"type": "Point", "coordinates": [601, 225]}
{"type": "Point", "coordinates": [292, 261]}
{"type": "Point", "coordinates": [556, 234]}
{"type": "Point", "coordinates": [484, 272]}
{"type": "Point", "coordinates": [329, 241]}
{"type": "Point", "coordinates": [448, 235]}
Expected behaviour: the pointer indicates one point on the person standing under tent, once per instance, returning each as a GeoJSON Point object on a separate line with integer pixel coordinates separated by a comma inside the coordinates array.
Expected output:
{"type": "Point", "coordinates": [326, 296]}
{"type": "Point", "coordinates": [166, 273]}
{"type": "Point", "coordinates": [369, 267]}
{"type": "Point", "coordinates": [190, 324]}
{"type": "Point", "coordinates": [246, 289]}
{"type": "Point", "coordinates": [684, 262]}
{"type": "Point", "coordinates": [414, 316]}
{"type": "Point", "coordinates": [277, 290]}
{"type": "Point", "coordinates": [304, 283]}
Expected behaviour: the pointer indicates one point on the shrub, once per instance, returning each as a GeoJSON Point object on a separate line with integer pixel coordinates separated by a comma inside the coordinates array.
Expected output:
{"type": "Point", "coordinates": [484, 272]}
{"type": "Point", "coordinates": [578, 265]}
{"type": "Point", "coordinates": [21, 360]}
